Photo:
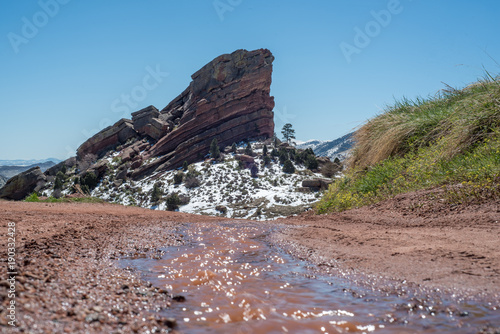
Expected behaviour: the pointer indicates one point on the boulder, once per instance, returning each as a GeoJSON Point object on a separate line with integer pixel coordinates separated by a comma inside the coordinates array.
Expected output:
{"type": "Point", "coordinates": [316, 184]}
{"type": "Point", "coordinates": [323, 160]}
{"type": "Point", "coordinates": [23, 184]}
{"type": "Point", "coordinates": [107, 139]}
{"type": "Point", "coordinates": [244, 158]}
{"type": "Point", "coordinates": [228, 99]}
{"type": "Point", "coordinates": [100, 168]}
{"type": "Point", "coordinates": [146, 122]}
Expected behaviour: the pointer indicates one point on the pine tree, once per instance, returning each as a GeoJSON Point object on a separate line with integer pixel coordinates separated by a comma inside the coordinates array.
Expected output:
{"type": "Point", "coordinates": [288, 132]}
{"type": "Point", "coordinates": [185, 166]}
{"type": "Point", "coordinates": [214, 149]}
{"type": "Point", "coordinates": [264, 150]}
{"type": "Point", "coordinates": [234, 148]}
{"type": "Point", "coordinates": [288, 167]}
{"type": "Point", "coordinates": [248, 150]}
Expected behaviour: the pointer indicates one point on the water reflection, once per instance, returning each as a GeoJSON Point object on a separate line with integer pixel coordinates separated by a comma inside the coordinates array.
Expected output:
{"type": "Point", "coordinates": [233, 282]}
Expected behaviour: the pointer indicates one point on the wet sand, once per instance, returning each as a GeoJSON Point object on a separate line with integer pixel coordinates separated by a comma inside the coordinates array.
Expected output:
{"type": "Point", "coordinates": [68, 281]}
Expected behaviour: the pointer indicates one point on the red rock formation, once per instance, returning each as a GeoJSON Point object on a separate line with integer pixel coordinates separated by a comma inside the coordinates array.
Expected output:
{"type": "Point", "coordinates": [107, 138]}
{"type": "Point", "coordinates": [228, 99]}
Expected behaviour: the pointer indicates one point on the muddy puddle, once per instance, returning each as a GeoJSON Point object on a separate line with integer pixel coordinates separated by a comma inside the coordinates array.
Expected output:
{"type": "Point", "coordinates": [228, 278]}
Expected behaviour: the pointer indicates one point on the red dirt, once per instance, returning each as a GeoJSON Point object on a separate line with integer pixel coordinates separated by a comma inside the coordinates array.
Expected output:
{"type": "Point", "coordinates": [410, 238]}
{"type": "Point", "coordinates": [67, 281]}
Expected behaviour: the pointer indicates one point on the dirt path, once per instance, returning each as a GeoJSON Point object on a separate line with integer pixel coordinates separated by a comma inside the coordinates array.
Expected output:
{"type": "Point", "coordinates": [409, 239]}
{"type": "Point", "coordinates": [67, 281]}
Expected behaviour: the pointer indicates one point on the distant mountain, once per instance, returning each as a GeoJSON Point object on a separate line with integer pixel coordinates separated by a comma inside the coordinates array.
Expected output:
{"type": "Point", "coordinates": [337, 148]}
{"type": "Point", "coordinates": [9, 171]}
{"type": "Point", "coordinates": [27, 162]}
{"type": "Point", "coordinates": [3, 180]}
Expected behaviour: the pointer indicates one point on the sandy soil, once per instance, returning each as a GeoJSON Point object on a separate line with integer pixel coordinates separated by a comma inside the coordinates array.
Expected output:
{"type": "Point", "coordinates": [67, 281]}
{"type": "Point", "coordinates": [410, 239]}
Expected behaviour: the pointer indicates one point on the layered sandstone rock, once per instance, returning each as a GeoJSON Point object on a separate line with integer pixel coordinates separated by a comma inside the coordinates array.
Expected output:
{"type": "Point", "coordinates": [228, 99]}
{"type": "Point", "coordinates": [108, 138]}
{"type": "Point", "coordinates": [146, 122]}
{"type": "Point", "coordinates": [23, 184]}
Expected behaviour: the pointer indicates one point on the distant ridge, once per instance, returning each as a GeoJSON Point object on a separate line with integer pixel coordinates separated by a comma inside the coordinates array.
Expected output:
{"type": "Point", "coordinates": [337, 148]}
{"type": "Point", "coordinates": [27, 162]}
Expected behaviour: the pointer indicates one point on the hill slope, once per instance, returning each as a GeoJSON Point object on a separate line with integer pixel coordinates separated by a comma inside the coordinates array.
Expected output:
{"type": "Point", "coordinates": [451, 140]}
{"type": "Point", "coordinates": [337, 148]}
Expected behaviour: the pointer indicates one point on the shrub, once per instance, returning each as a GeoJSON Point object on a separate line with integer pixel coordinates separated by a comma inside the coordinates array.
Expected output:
{"type": "Point", "coordinates": [267, 160]}
{"type": "Point", "coordinates": [264, 150]}
{"type": "Point", "coordinates": [32, 198]}
{"type": "Point", "coordinates": [234, 148]}
{"type": "Point", "coordinates": [330, 169]}
{"type": "Point", "coordinates": [254, 170]}
{"type": "Point", "coordinates": [156, 193]}
{"type": "Point", "coordinates": [288, 167]}
{"type": "Point", "coordinates": [178, 177]}
{"type": "Point", "coordinates": [173, 202]}
{"type": "Point", "coordinates": [185, 166]}
{"type": "Point", "coordinates": [311, 162]}
{"type": "Point", "coordinates": [191, 181]}
{"type": "Point", "coordinates": [90, 181]}
{"type": "Point", "coordinates": [58, 182]}
{"type": "Point", "coordinates": [248, 149]}
{"type": "Point", "coordinates": [283, 157]}
{"type": "Point", "coordinates": [274, 152]}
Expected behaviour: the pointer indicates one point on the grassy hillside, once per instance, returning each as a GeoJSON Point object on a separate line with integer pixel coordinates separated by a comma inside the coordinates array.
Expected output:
{"type": "Point", "coordinates": [451, 140]}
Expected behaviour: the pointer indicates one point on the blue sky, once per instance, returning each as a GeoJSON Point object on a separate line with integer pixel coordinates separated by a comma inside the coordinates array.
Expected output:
{"type": "Point", "coordinates": [68, 65]}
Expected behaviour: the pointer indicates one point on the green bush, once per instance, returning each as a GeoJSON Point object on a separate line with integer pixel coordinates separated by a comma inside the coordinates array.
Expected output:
{"type": "Point", "coordinates": [311, 162]}
{"type": "Point", "coordinates": [178, 177]}
{"type": "Point", "coordinates": [89, 181]}
{"type": "Point", "coordinates": [214, 149]}
{"type": "Point", "coordinates": [185, 166]}
{"type": "Point", "coordinates": [248, 149]}
{"type": "Point", "coordinates": [156, 193]}
{"type": "Point", "coordinates": [288, 167]}
{"type": "Point", "coordinates": [173, 202]}
{"type": "Point", "coordinates": [32, 198]}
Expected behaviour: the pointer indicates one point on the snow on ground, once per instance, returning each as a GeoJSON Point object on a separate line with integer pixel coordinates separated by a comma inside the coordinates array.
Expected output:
{"type": "Point", "coordinates": [225, 189]}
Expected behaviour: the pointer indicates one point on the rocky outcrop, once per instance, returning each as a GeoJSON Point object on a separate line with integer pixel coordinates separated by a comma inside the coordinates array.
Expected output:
{"type": "Point", "coordinates": [316, 184]}
{"type": "Point", "coordinates": [21, 185]}
{"type": "Point", "coordinates": [228, 99]}
{"type": "Point", "coordinates": [52, 171]}
{"type": "Point", "coordinates": [108, 138]}
{"type": "Point", "coordinates": [147, 122]}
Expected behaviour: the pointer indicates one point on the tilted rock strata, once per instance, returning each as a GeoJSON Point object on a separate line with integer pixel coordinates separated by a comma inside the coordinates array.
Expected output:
{"type": "Point", "coordinates": [228, 99]}
{"type": "Point", "coordinates": [23, 184]}
{"type": "Point", "coordinates": [108, 138]}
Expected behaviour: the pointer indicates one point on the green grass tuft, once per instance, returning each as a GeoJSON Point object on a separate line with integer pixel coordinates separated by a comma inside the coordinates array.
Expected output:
{"type": "Point", "coordinates": [451, 140]}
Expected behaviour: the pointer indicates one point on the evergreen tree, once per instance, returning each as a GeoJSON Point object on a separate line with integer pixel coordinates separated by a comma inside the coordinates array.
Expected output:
{"type": "Point", "coordinates": [248, 149]}
{"type": "Point", "coordinates": [185, 166]}
{"type": "Point", "coordinates": [58, 182]}
{"type": "Point", "coordinates": [311, 162]}
{"type": "Point", "coordinates": [214, 149]}
{"type": "Point", "coordinates": [288, 132]}
{"type": "Point", "coordinates": [254, 170]}
{"type": "Point", "coordinates": [157, 193]}
{"type": "Point", "coordinates": [283, 156]}
{"type": "Point", "coordinates": [288, 167]}
{"type": "Point", "coordinates": [173, 202]}
{"type": "Point", "coordinates": [264, 150]}
{"type": "Point", "coordinates": [234, 148]}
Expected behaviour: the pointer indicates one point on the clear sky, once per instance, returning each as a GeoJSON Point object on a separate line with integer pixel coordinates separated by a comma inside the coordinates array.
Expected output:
{"type": "Point", "coordinates": [68, 65]}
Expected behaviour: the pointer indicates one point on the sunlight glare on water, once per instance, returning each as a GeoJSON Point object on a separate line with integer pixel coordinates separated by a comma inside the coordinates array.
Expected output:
{"type": "Point", "coordinates": [233, 281]}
